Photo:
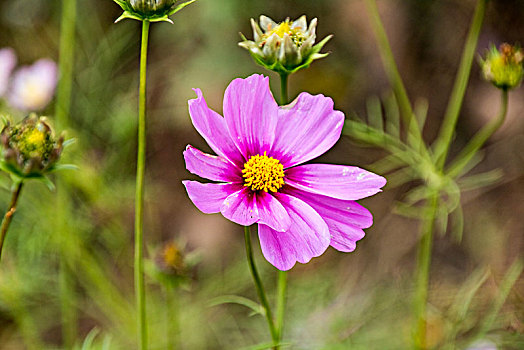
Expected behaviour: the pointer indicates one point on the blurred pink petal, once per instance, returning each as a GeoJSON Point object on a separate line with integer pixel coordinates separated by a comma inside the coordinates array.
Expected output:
{"type": "Point", "coordinates": [32, 87]}
{"type": "Point", "coordinates": [7, 63]}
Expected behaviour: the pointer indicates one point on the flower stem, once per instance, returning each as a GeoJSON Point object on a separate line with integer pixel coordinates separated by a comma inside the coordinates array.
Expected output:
{"type": "Point", "coordinates": [392, 72]}
{"type": "Point", "coordinates": [282, 275]}
{"type": "Point", "coordinates": [459, 89]}
{"type": "Point", "coordinates": [260, 288]}
{"type": "Point", "coordinates": [422, 271]}
{"type": "Point", "coordinates": [480, 138]}
{"type": "Point", "coordinates": [139, 194]}
{"type": "Point", "coordinates": [62, 108]}
{"type": "Point", "coordinates": [9, 214]}
{"type": "Point", "coordinates": [65, 63]}
{"type": "Point", "coordinates": [281, 303]}
{"type": "Point", "coordinates": [283, 89]}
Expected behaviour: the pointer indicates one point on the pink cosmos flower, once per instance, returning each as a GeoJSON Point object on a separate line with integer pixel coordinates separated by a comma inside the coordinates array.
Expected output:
{"type": "Point", "coordinates": [7, 63]}
{"type": "Point", "coordinates": [32, 87]}
{"type": "Point", "coordinates": [300, 209]}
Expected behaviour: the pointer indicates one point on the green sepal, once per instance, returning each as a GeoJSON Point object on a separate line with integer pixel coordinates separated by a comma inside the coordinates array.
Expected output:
{"type": "Point", "coordinates": [45, 180]}
{"type": "Point", "coordinates": [279, 68]}
{"type": "Point", "coordinates": [179, 7]}
{"type": "Point", "coordinates": [130, 13]}
{"type": "Point", "coordinates": [60, 167]}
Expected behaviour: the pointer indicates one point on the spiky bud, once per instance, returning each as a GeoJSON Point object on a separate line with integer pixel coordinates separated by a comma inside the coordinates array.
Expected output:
{"type": "Point", "coordinates": [30, 147]}
{"type": "Point", "coordinates": [284, 47]}
{"type": "Point", "coordinates": [150, 10]}
{"type": "Point", "coordinates": [504, 67]}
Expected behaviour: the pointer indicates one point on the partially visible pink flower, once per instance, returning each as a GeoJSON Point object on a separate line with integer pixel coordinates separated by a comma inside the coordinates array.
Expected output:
{"type": "Point", "coordinates": [7, 63]}
{"type": "Point", "coordinates": [32, 87]}
{"type": "Point", "coordinates": [300, 209]}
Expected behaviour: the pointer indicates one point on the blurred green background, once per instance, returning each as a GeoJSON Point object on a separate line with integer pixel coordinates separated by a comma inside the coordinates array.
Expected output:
{"type": "Point", "coordinates": [73, 261]}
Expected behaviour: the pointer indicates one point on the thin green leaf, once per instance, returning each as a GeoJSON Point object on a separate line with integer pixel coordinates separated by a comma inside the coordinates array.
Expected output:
{"type": "Point", "coordinates": [88, 342]}
{"type": "Point", "coordinates": [457, 221]}
{"type": "Point", "coordinates": [505, 287]}
{"type": "Point", "coordinates": [421, 111]}
{"type": "Point", "coordinates": [235, 299]}
{"type": "Point", "coordinates": [374, 111]}
{"type": "Point", "coordinates": [480, 180]}
{"type": "Point", "coordinates": [392, 115]}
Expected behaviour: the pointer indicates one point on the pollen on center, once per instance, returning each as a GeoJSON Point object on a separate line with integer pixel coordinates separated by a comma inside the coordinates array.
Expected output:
{"type": "Point", "coordinates": [263, 173]}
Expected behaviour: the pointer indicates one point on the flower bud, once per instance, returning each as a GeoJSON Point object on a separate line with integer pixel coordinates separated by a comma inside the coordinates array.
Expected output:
{"type": "Point", "coordinates": [285, 47]}
{"type": "Point", "coordinates": [151, 7]}
{"type": "Point", "coordinates": [171, 260]}
{"type": "Point", "coordinates": [150, 10]}
{"type": "Point", "coordinates": [504, 67]}
{"type": "Point", "coordinates": [30, 148]}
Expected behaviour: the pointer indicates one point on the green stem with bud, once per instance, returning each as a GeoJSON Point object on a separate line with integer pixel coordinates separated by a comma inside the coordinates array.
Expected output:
{"type": "Point", "coordinates": [139, 194]}
{"type": "Point", "coordinates": [260, 288]}
{"type": "Point", "coordinates": [9, 214]}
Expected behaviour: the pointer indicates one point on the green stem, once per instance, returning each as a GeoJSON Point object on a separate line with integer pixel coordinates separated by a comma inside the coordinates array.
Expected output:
{"type": "Point", "coordinates": [66, 61]}
{"type": "Point", "coordinates": [283, 89]}
{"type": "Point", "coordinates": [444, 139]}
{"type": "Point", "coordinates": [62, 109]}
{"type": "Point", "coordinates": [139, 194]}
{"type": "Point", "coordinates": [282, 275]}
{"type": "Point", "coordinates": [392, 72]}
{"type": "Point", "coordinates": [171, 317]}
{"type": "Point", "coordinates": [9, 214]}
{"type": "Point", "coordinates": [260, 288]}
{"type": "Point", "coordinates": [281, 303]}
{"type": "Point", "coordinates": [422, 271]}
{"type": "Point", "coordinates": [480, 138]}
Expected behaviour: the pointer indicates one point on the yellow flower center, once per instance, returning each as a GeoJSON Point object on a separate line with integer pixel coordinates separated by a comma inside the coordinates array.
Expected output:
{"type": "Point", "coordinates": [282, 29]}
{"type": "Point", "coordinates": [263, 173]}
{"type": "Point", "coordinates": [296, 34]}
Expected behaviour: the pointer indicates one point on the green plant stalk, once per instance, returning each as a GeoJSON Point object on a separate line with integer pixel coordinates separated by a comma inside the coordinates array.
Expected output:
{"type": "Point", "coordinates": [282, 275]}
{"type": "Point", "coordinates": [66, 62]}
{"type": "Point", "coordinates": [260, 288]}
{"type": "Point", "coordinates": [139, 194]}
{"type": "Point", "coordinates": [9, 214]}
{"type": "Point", "coordinates": [392, 72]}
{"type": "Point", "coordinates": [63, 105]}
{"type": "Point", "coordinates": [171, 317]}
{"type": "Point", "coordinates": [444, 139]}
{"type": "Point", "coordinates": [511, 277]}
{"type": "Point", "coordinates": [283, 89]}
{"type": "Point", "coordinates": [479, 139]}
{"type": "Point", "coordinates": [422, 271]}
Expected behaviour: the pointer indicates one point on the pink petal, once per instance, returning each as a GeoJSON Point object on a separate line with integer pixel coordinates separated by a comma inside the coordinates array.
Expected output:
{"type": "Point", "coordinates": [307, 237]}
{"type": "Point", "coordinates": [209, 197]}
{"type": "Point", "coordinates": [338, 181]}
{"type": "Point", "coordinates": [345, 218]}
{"type": "Point", "coordinates": [213, 129]}
{"type": "Point", "coordinates": [272, 212]}
{"type": "Point", "coordinates": [7, 64]}
{"type": "Point", "coordinates": [306, 128]}
{"type": "Point", "coordinates": [251, 114]}
{"type": "Point", "coordinates": [241, 207]}
{"type": "Point", "coordinates": [211, 167]}
{"type": "Point", "coordinates": [32, 87]}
